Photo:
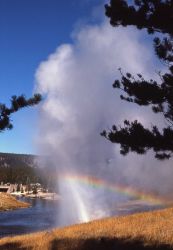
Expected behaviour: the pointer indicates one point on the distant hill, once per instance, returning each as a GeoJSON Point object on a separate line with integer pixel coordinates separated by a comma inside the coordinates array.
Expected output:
{"type": "Point", "coordinates": [15, 168]}
{"type": "Point", "coordinates": [21, 168]}
{"type": "Point", "coordinates": [25, 159]}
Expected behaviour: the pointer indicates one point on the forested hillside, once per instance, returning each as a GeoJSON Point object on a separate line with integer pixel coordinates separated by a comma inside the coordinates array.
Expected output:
{"type": "Point", "coordinates": [24, 169]}
{"type": "Point", "coordinates": [18, 168]}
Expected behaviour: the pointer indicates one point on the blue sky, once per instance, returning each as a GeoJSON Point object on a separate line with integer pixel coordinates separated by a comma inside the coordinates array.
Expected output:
{"type": "Point", "coordinates": [77, 82]}
{"type": "Point", "coordinates": [29, 31]}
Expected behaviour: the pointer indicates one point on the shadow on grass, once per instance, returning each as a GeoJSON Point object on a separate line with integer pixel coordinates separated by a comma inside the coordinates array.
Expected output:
{"type": "Point", "coordinates": [105, 244]}
{"type": "Point", "coordinates": [13, 246]}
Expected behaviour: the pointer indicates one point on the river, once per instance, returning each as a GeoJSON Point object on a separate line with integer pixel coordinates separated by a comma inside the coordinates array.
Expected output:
{"type": "Point", "coordinates": [40, 216]}
{"type": "Point", "coordinates": [43, 215]}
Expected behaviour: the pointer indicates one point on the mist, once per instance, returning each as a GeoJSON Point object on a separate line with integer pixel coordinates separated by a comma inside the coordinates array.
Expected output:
{"type": "Point", "coordinates": [79, 102]}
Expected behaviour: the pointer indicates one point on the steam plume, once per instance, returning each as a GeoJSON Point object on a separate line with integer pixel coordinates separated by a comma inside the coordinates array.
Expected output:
{"type": "Point", "coordinates": [80, 102]}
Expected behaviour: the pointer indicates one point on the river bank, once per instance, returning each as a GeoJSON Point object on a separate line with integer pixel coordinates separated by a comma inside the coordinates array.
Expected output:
{"type": "Point", "coordinates": [46, 214]}
{"type": "Point", "coordinates": [9, 202]}
{"type": "Point", "coordinates": [41, 195]}
{"type": "Point", "coordinates": [147, 230]}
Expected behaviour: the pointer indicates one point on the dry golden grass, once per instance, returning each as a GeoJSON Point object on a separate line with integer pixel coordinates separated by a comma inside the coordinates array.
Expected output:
{"type": "Point", "coordinates": [149, 230]}
{"type": "Point", "coordinates": [8, 202]}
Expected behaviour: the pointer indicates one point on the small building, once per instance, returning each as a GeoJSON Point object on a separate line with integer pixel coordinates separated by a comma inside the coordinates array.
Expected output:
{"type": "Point", "coordinates": [4, 189]}
{"type": "Point", "coordinates": [8, 188]}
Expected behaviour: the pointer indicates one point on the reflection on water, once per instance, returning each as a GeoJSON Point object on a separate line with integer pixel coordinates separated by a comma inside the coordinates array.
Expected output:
{"type": "Point", "coordinates": [43, 215]}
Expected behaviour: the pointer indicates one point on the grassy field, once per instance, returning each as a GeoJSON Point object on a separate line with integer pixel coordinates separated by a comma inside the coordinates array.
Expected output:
{"type": "Point", "coordinates": [149, 230]}
{"type": "Point", "coordinates": [8, 202]}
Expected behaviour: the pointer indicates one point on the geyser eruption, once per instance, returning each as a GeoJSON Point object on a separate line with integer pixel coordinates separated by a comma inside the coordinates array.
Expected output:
{"type": "Point", "coordinates": [79, 103]}
{"type": "Point", "coordinates": [74, 202]}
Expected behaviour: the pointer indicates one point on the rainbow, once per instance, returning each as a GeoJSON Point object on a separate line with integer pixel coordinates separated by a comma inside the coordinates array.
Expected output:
{"type": "Point", "coordinates": [116, 188]}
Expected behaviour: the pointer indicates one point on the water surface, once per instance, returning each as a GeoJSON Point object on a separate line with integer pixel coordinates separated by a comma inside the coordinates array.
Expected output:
{"type": "Point", "coordinates": [43, 215]}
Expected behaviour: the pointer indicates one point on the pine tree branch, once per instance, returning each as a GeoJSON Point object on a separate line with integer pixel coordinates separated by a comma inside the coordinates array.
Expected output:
{"type": "Point", "coordinates": [17, 103]}
{"type": "Point", "coordinates": [155, 16]}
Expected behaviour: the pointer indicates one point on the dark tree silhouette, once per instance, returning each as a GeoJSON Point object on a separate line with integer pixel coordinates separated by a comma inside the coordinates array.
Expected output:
{"type": "Point", "coordinates": [16, 104]}
{"type": "Point", "coordinates": [157, 17]}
